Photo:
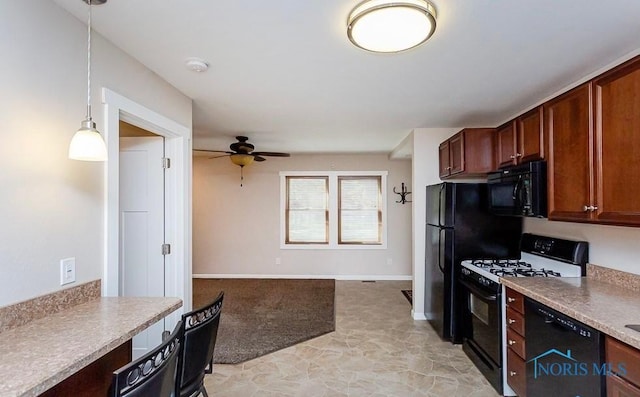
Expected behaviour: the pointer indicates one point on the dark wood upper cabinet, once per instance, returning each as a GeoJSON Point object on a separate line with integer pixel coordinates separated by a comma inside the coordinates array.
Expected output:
{"type": "Point", "coordinates": [570, 155]}
{"type": "Point", "coordinates": [617, 142]}
{"type": "Point", "coordinates": [445, 168]}
{"type": "Point", "coordinates": [456, 153]}
{"type": "Point", "coordinates": [521, 140]}
{"type": "Point", "coordinates": [593, 149]}
{"type": "Point", "coordinates": [469, 153]}
{"type": "Point", "coordinates": [530, 136]}
{"type": "Point", "coordinates": [506, 144]}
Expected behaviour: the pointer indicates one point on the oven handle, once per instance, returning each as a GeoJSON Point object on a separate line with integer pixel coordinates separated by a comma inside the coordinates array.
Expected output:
{"type": "Point", "coordinates": [478, 292]}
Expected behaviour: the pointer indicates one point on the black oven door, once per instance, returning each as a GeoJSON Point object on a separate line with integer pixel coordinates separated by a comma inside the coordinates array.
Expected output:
{"type": "Point", "coordinates": [483, 329]}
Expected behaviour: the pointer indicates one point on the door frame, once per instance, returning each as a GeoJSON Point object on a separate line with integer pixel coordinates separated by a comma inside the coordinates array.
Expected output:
{"type": "Point", "coordinates": [177, 195]}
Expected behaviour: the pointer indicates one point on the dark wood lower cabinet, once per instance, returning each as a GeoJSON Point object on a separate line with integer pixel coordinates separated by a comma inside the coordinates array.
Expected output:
{"type": "Point", "coordinates": [517, 373]}
{"type": "Point", "coordinates": [618, 387]}
{"type": "Point", "coordinates": [516, 366]}
{"type": "Point", "coordinates": [93, 380]}
{"type": "Point", "coordinates": [625, 383]}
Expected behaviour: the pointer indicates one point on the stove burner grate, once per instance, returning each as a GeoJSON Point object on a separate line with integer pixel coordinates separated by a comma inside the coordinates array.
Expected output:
{"type": "Point", "coordinates": [523, 272]}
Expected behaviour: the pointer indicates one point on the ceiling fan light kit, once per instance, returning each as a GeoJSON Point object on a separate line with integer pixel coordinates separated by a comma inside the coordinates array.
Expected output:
{"type": "Point", "coordinates": [241, 159]}
{"type": "Point", "coordinates": [389, 26]}
{"type": "Point", "coordinates": [242, 154]}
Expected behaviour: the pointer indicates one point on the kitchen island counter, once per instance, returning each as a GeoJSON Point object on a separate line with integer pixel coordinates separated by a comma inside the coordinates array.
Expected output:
{"type": "Point", "coordinates": [604, 306]}
{"type": "Point", "coordinates": [44, 352]}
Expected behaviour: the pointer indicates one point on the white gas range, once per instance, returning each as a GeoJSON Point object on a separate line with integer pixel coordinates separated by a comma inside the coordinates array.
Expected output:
{"type": "Point", "coordinates": [484, 297]}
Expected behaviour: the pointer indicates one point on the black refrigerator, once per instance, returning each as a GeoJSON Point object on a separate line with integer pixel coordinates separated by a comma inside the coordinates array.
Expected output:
{"type": "Point", "coordinates": [458, 227]}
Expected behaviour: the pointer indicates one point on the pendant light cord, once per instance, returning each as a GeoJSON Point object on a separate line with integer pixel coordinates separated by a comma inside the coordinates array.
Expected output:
{"type": "Point", "coordinates": [89, 64]}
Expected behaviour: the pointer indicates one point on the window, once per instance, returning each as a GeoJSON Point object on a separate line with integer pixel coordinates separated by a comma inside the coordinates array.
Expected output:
{"type": "Point", "coordinates": [307, 211]}
{"type": "Point", "coordinates": [333, 209]}
{"type": "Point", "coordinates": [359, 210]}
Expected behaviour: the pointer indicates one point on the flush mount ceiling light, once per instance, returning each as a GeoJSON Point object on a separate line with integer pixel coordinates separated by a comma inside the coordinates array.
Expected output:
{"type": "Point", "coordinates": [391, 26]}
{"type": "Point", "coordinates": [87, 143]}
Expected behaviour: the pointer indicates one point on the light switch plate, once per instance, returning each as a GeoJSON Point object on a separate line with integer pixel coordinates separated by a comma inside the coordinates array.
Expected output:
{"type": "Point", "coordinates": [67, 271]}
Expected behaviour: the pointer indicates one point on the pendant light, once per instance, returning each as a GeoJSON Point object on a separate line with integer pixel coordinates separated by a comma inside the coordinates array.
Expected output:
{"type": "Point", "coordinates": [87, 144]}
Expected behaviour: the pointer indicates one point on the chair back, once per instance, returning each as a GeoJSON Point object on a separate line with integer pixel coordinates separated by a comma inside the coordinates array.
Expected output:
{"type": "Point", "coordinates": [199, 333]}
{"type": "Point", "coordinates": [153, 374]}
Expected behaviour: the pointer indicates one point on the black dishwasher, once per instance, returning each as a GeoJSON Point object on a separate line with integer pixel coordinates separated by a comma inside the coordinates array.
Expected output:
{"type": "Point", "coordinates": [564, 356]}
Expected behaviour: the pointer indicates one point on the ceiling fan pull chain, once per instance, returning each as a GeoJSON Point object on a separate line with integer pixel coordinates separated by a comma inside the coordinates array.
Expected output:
{"type": "Point", "coordinates": [241, 176]}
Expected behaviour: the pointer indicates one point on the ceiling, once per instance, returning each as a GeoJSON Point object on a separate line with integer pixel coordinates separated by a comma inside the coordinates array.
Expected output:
{"type": "Point", "coordinates": [284, 73]}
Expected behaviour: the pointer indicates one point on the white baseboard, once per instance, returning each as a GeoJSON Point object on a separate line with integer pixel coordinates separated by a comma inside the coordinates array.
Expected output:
{"type": "Point", "coordinates": [418, 316]}
{"type": "Point", "coordinates": [356, 277]}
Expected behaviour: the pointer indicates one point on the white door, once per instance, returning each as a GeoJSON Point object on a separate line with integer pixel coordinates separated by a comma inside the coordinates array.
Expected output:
{"type": "Point", "coordinates": [142, 270]}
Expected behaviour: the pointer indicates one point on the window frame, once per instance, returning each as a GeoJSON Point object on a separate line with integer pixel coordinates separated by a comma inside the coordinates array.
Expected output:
{"type": "Point", "coordinates": [287, 211]}
{"type": "Point", "coordinates": [333, 217]}
{"type": "Point", "coordinates": [377, 178]}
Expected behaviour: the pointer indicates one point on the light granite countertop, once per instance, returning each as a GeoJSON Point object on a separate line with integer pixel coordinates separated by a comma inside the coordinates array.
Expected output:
{"type": "Point", "coordinates": [42, 353]}
{"type": "Point", "coordinates": [604, 306]}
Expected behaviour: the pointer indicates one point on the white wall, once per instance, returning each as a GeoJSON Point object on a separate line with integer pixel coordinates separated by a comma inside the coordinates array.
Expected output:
{"type": "Point", "coordinates": [236, 230]}
{"type": "Point", "coordinates": [615, 247]}
{"type": "Point", "coordinates": [425, 172]}
{"type": "Point", "coordinates": [52, 207]}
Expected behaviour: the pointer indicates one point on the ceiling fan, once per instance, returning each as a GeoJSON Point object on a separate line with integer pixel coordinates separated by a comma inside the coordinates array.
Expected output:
{"type": "Point", "coordinates": [242, 153]}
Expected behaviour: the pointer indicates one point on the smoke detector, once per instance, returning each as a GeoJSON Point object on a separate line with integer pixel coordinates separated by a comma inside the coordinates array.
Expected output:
{"type": "Point", "coordinates": [196, 65]}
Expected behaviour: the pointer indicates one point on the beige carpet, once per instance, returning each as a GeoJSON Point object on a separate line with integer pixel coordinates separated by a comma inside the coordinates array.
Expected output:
{"type": "Point", "coordinates": [260, 316]}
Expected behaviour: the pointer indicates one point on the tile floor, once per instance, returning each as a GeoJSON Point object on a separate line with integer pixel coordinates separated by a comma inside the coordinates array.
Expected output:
{"type": "Point", "coordinates": [376, 350]}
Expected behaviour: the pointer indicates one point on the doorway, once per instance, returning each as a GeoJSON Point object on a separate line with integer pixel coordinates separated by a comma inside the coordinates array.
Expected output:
{"type": "Point", "coordinates": [177, 200]}
{"type": "Point", "coordinates": [142, 223]}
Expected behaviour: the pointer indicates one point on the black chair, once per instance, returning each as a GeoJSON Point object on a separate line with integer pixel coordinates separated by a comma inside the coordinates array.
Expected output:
{"type": "Point", "coordinates": [198, 340]}
{"type": "Point", "coordinates": [153, 374]}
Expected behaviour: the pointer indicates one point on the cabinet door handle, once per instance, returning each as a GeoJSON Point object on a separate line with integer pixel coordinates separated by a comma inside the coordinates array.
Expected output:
{"type": "Point", "coordinates": [511, 321]}
{"type": "Point", "coordinates": [512, 157]}
{"type": "Point", "coordinates": [590, 208]}
{"type": "Point", "coordinates": [511, 342]}
{"type": "Point", "coordinates": [511, 300]}
{"type": "Point", "coordinates": [586, 208]}
{"type": "Point", "coordinates": [448, 168]}
{"type": "Point", "coordinates": [518, 154]}
{"type": "Point", "coordinates": [594, 208]}
{"type": "Point", "coordinates": [513, 373]}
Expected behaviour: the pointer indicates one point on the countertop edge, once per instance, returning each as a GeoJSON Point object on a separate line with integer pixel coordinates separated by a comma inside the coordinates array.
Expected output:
{"type": "Point", "coordinates": [93, 356]}
{"type": "Point", "coordinates": [621, 334]}
{"type": "Point", "coordinates": [63, 372]}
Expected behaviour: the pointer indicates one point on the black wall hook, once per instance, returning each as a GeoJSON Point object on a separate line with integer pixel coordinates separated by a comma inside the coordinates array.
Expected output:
{"type": "Point", "coordinates": [403, 194]}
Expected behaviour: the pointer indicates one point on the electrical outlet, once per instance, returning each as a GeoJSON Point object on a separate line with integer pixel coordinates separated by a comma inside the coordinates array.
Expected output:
{"type": "Point", "coordinates": [389, 261]}
{"type": "Point", "coordinates": [67, 271]}
{"type": "Point", "coordinates": [278, 261]}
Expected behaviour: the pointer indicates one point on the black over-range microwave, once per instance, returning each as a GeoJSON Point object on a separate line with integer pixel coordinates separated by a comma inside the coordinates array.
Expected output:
{"type": "Point", "coordinates": [520, 190]}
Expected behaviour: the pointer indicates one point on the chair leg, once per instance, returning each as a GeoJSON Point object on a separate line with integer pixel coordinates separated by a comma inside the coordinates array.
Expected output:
{"type": "Point", "coordinates": [204, 391]}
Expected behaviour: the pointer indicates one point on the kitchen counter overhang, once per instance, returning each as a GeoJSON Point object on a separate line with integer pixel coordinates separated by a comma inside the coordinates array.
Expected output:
{"type": "Point", "coordinates": [42, 353]}
{"type": "Point", "coordinates": [604, 306]}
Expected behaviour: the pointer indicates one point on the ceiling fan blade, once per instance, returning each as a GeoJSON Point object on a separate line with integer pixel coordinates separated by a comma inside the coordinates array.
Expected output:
{"type": "Point", "coordinates": [212, 151]}
{"type": "Point", "coordinates": [272, 154]}
{"type": "Point", "coordinates": [222, 155]}
{"type": "Point", "coordinates": [258, 158]}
